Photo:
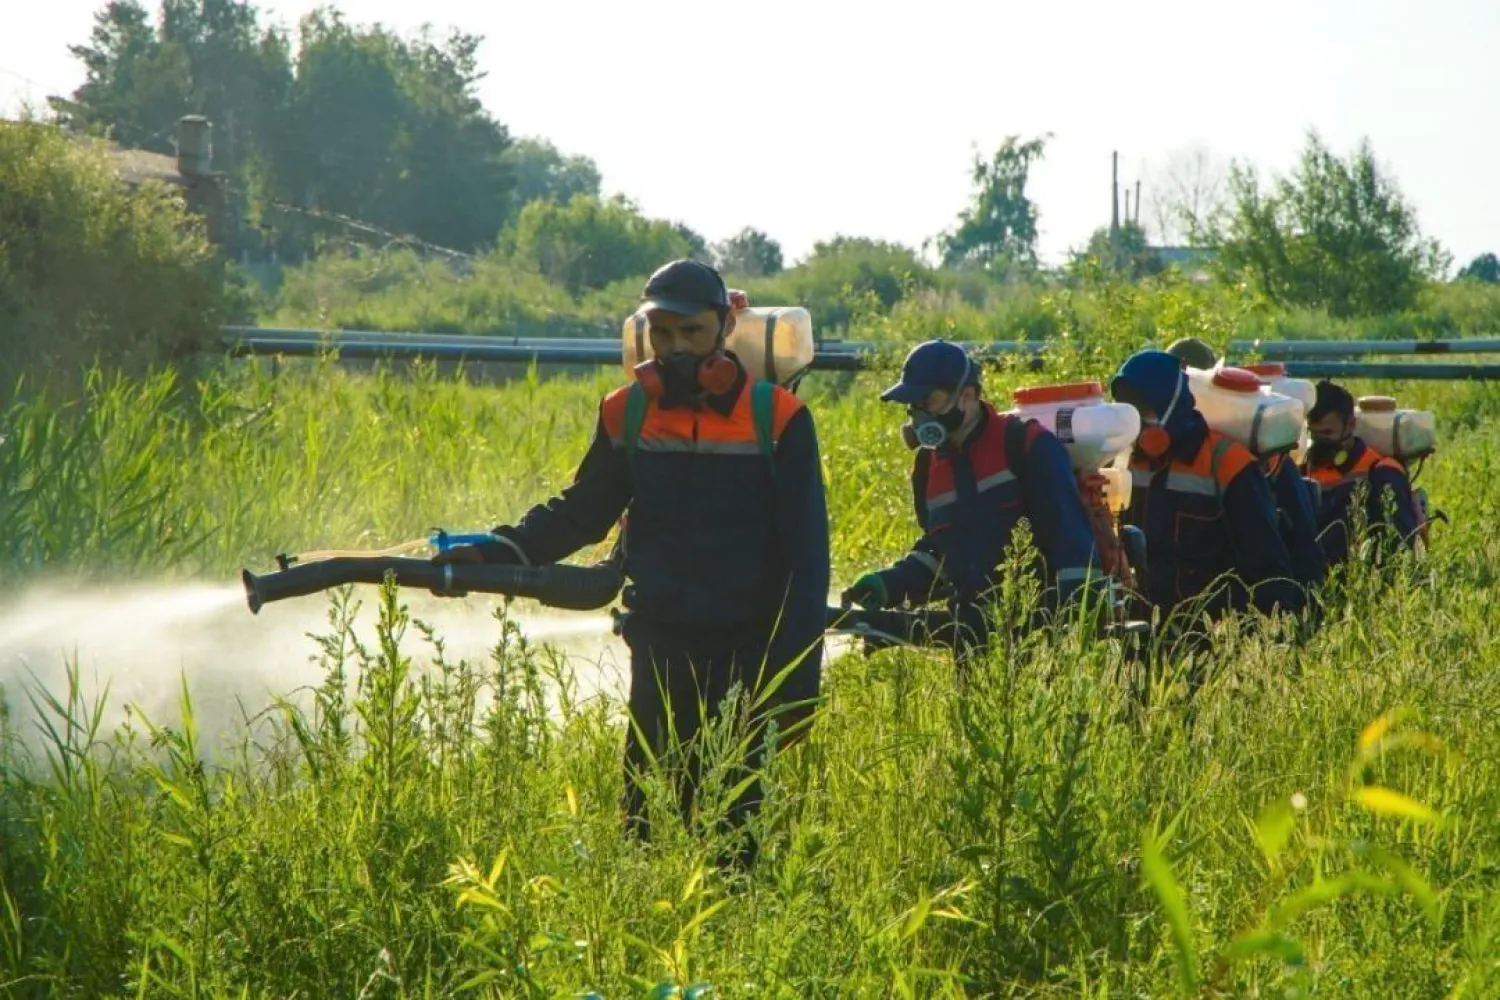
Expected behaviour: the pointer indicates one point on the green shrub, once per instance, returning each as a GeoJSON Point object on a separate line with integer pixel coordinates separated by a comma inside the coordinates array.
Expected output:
{"type": "Point", "coordinates": [92, 270]}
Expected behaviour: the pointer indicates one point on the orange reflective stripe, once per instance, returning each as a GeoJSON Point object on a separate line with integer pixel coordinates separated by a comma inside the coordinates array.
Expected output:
{"type": "Point", "coordinates": [709, 429]}
{"type": "Point", "coordinates": [1327, 475]}
{"type": "Point", "coordinates": [1234, 458]}
{"type": "Point", "coordinates": [1367, 462]}
{"type": "Point", "coordinates": [660, 424]}
{"type": "Point", "coordinates": [612, 410]}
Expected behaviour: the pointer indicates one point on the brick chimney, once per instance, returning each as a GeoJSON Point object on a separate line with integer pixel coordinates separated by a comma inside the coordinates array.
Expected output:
{"type": "Point", "coordinates": [194, 146]}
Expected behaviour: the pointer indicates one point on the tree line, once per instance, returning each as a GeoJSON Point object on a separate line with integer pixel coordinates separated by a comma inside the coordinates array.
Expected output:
{"type": "Point", "coordinates": [359, 122]}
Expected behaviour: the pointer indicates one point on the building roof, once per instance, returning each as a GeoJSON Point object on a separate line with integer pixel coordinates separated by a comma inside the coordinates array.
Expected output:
{"type": "Point", "coordinates": [1181, 255]}
{"type": "Point", "coordinates": [137, 166]}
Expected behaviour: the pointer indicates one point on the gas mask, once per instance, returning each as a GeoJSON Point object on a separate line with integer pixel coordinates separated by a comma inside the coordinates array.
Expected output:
{"type": "Point", "coordinates": [679, 374]}
{"type": "Point", "coordinates": [1155, 440]}
{"type": "Point", "coordinates": [683, 375]}
{"type": "Point", "coordinates": [932, 430]}
{"type": "Point", "coordinates": [1326, 451]}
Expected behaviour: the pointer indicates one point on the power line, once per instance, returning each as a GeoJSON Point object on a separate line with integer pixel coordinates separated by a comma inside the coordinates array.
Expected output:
{"type": "Point", "coordinates": [358, 225]}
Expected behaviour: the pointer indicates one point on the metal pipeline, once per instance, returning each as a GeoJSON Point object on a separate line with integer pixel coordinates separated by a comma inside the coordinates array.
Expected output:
{"type": "Point", "coordinates": [1305, 358]}
{"type": "Point", "coordinates": [575, 588]}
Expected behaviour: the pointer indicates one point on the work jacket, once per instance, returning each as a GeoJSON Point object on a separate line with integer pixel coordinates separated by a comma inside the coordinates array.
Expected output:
{"type": "Point", "coordinates": [968, 501]}
{"type": "Point", "coordinates": [1211, 526]}
{"type": "Point", "coordinates": [726, 541]}
{"type": "Point", "coordinates": [1377, 477]}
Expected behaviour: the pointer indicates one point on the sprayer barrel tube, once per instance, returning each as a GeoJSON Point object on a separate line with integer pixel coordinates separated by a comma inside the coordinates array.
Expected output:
{"type": "Point", "coordinates": [577, 588]}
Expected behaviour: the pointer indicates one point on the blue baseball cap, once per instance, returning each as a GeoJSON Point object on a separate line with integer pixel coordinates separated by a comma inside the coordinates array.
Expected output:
{"type": "Point", "coordinates": [1156, 379]}
{"type": "Point", "coordinates": [936, 364]}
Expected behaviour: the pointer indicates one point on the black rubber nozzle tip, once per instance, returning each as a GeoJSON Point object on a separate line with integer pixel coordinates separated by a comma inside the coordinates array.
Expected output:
{"type": "Point", "coordinates": [252, 592]}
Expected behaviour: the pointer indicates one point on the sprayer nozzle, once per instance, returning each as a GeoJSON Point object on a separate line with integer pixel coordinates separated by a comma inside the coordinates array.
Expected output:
{"type": "Point", "coordinates": [252, 593]}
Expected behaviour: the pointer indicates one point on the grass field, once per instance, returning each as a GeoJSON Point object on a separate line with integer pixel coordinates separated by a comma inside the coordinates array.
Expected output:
{"type": "Point", "coordinates": [1322, 820]}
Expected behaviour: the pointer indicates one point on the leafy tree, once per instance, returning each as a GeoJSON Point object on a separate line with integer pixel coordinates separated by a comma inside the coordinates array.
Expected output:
{"type": "Point", "coordinates": [847, 276]}
{"type": "Point", "coordinates": [588, 243]}
{"type": "Point", "coordinates": [91, 269]}
{"type": "Point", "coordinates": [544, 174]}
{"type": "Point", "coordinates": [1186, 194]}
{"type": "Point", "coordinates": [1484, 268]}
{"type": "Point", "coordinates": [389, 131]}
{"type": "Point", "coordinates": [997, 232]}
{"type": "Point", "coordinates": [1335, 235]}
{"type": "Point", "coordinates": [365, 124]}
{"type": "Point", "coordinates": [207, 57]}
{"type": "Point", "coordinates": [697, 246]}
{"type": "Point", "coordinates": [750, 253]}
{"type": "Point", "coordinates": [1128, 255]}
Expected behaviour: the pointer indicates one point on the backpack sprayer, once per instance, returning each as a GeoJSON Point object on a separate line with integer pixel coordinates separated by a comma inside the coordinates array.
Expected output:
{"type": "Point", "coordinates": [574, 588]}
{"type": "Point", "coordinates": [1097, 435]}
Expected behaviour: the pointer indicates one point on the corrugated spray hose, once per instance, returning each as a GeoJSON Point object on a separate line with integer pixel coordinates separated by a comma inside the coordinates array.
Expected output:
{"type": "Point", "coordinates": [576, 588]}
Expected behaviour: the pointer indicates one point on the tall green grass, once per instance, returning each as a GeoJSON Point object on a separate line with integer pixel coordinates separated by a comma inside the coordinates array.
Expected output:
{"type": "Point", "coordinates": [1317, 820]}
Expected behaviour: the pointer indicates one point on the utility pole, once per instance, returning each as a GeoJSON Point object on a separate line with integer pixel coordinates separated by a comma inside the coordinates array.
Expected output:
{"type": "Point", "coordinates": [1114, 187]}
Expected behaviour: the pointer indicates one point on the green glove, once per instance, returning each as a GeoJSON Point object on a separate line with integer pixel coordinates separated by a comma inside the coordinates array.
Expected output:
{"type": "Point", "coordinates": [869, 592]}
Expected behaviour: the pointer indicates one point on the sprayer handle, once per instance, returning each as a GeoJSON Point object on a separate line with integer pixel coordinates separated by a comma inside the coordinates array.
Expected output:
{"type": "Point", "coordinates": [442, 541]}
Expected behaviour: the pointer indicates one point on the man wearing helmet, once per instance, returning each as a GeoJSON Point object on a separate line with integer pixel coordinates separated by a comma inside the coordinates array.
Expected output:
{"type": "Point", "coordinates": [977, 473]}
{"type": "Point", "coordinates": [727, 542]}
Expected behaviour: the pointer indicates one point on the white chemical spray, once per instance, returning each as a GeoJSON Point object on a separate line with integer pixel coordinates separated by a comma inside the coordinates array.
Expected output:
{"type": "Point", "coordinates": [142, 641]}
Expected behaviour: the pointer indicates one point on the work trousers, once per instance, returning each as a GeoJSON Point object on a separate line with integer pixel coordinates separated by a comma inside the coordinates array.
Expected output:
{"type": "Point", "coordinates": [675, 695]}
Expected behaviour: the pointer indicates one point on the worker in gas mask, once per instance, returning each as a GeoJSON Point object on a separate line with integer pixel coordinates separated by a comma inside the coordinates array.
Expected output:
{"type": "Point", "coordinates": [976, 474]}
{"type": "Point", "coordinates": [1346, 468]}
{"type": "Point", "coordinates": [725, 539]}
{"type": "Point", "coordinates": [1294, 496]}
{"type": "Point", "coordinates": [1202, 501]}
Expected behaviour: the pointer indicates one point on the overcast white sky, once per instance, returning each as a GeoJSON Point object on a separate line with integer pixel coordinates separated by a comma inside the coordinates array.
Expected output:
{"type": "Point", "coordinates": [812, 118]}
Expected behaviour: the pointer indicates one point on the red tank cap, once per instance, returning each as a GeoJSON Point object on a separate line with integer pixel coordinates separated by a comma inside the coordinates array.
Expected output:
{"type": "Point", "coordinates": [1237, 380]}
{"type": "Point", "coordinates": [1040, 394]}
{"type": "Point", "coordinates": [1267, 369]}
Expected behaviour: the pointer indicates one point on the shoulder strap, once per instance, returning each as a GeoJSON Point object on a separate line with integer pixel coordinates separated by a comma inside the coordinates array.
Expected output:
{"type": "Point", "coordinates": [635, 417]}
{"type": "Point", "coordinates": [919, 471]}
{"type": "Point", "coordinates": [1015, 443]}
{"type": "Point", "coordinates": [1221, 448]}
{"type": "Point", "coordinates": [763, 412]}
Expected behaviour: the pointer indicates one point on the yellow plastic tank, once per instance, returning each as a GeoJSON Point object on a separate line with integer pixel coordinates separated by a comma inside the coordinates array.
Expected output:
{"type": "Point", "coordinates": [774, 343]}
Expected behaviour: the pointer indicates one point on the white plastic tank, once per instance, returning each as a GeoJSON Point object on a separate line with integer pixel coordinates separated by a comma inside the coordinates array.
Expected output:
{"type": "Point", "coordinates": [774, 343]}
{"type": "Point", "coordinates": [1405, 435]}
{"type": "Point", "coordinates": [1233, 403]}
{"type": "Point", "coordinates": [1274, 377]}
{"type": "Point", "coordinates": [1094, 432]}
